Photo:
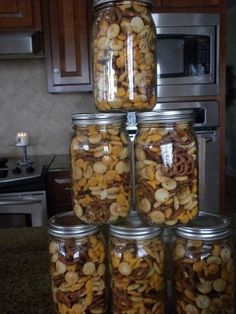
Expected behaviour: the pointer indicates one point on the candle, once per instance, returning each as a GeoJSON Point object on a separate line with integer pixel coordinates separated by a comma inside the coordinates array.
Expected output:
{"type": "Point", "coordinates": [22, 139]}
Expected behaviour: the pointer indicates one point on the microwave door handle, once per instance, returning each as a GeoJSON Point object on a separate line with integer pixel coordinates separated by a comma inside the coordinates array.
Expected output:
{"type": "Point", "coordinates": [202, 141]}
{"type": "Point", "coordinates": [19, 202]}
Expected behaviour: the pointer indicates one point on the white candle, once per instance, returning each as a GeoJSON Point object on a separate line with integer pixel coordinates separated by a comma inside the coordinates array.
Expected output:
{"type": "Point", "coordinates": [22, 139]}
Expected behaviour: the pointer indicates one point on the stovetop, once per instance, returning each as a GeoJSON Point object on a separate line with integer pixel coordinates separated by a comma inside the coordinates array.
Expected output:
{"type": "Point", "coordinates": [12, 172]}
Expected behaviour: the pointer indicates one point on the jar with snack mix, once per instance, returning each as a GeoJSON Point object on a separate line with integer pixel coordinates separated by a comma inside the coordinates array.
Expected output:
{"type": "Point", "coordinates": [203, 266]}
{"type": "Point", "coordinates": [124, 55]}
{"type": "Point", "coordinates": [136, 262]}
{"type": "Point", "coordinates": [166, 167]}
{"type": "Point", "coordinates": [101, 167]}
{"type": "Point", "coordinates": [77, 266]}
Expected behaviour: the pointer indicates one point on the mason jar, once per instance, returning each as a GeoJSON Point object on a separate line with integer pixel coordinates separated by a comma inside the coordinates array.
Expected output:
{"type": "Point", "coordinates": [100, 167]}
{"type": "Point", "coordinates": [124, 55]}
{"type": "Point", "coordinates": [166, 163]}
{"type": "Point", "coordinates": [203, 266]}
{"type": "Point", "coordinates": [77, 265]}
{"type": "Point", "coordinates": [136, 262]}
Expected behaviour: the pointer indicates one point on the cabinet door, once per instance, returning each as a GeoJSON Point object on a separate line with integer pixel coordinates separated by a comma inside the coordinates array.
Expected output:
{"type": "Point", "coordinates": [190, 3]}
{"type": "Point", "coordinates": [20, 14]}
{"type": "Point", "coordinates": [66, 29]}
{"type": "Point", "coordinates": [156, 3]}
{"type": "Point", "coordinates": [58, 192]}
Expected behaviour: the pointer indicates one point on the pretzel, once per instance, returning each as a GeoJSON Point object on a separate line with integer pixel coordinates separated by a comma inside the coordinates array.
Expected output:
{"type": "Point", "coordinates": [203, 280]}
{"type": "Point", "coordinates": [166, 175]}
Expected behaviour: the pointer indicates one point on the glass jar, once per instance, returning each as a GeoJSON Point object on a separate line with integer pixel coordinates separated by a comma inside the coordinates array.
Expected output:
{"type": "Point", "coordinates": [136, 262]}
{"type": "Point", "coordinates": [101, 168]}
{"type": "Point", "coordinates": [124, 55]}
{"type": "Point", "coordinates": [166, 166]}
{"type": "Point", "coordinates": [77, 266]}
{"type": "Point", "coordinates": [203, 266]}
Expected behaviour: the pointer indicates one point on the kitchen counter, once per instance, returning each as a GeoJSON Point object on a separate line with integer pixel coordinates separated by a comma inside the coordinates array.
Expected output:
{"type": "Point", "coordinates": [60, 162]}
{"type": "Point", "coordinates": [24, 271]}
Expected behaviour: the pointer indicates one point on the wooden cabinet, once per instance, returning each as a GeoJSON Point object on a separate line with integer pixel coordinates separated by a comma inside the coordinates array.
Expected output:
{"type": "Point", "coordinates": [20, 15]}
{"type": "Point", "coordinates": [186, 4]}
{"type": "Point", "coordinates": [58, 192]}
{"type": "Point", "coordinates": [67, 45]}
{"type": "Point", "coordinates": [190, 4]}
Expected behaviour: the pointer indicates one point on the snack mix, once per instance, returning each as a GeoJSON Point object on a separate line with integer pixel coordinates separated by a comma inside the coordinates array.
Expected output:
{"type": "Point", "coordinates": [203, 277]}
{"type": "Point", "coordinates": [101, 179]}
{"type": "Point", "coordinates": [137, 276]}
{"type": "Point", "coordinates": [124, 66]}
{"type": "Point", "coordinates": [78, 275]}
{"type": "Point", "coordinates": [166, 174]}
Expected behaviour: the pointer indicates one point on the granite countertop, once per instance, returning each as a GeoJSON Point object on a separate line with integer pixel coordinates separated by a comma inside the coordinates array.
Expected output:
{"type": "Point", "coordinates": [24, 272]}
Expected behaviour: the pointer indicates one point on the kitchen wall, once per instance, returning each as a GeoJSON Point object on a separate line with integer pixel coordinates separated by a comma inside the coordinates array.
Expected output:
{"type": "Point", "coordinates": [25, 105]}
{"type": "Point", "coordinates": [231, 107]}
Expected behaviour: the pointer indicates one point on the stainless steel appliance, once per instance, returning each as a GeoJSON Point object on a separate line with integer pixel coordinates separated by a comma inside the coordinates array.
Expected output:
{"type": "Point", "coordinates": [206, 130]}
{"type": "Point", "coordinates": [23, 192]}
{"type": "Point", "coordinates": [187, 54]}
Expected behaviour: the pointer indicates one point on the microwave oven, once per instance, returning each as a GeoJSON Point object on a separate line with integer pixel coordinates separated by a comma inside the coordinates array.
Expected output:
{"type": "Point", "coordinates": [187, 54]}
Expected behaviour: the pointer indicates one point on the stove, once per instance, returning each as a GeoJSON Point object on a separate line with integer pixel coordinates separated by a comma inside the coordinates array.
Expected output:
{"type": "Point", "coordinates": [16, 177]}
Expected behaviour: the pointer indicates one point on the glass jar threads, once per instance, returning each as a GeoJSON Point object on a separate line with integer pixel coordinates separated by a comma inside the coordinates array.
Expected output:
{"type": "Point", "coordinates": [124, 55]}
{"type": "Point", "coordinates": [77, 266]}
{"type": "Point", "coordinates": [136, 259]}
{"type": "Point", "coordinates": [203, 266]}
{"type": "Point", "coordinates": [101, 167]}
{"type": "Point", "coordinates": [166, 167]}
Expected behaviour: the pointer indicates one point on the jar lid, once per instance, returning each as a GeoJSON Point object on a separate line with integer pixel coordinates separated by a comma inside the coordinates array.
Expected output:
{"type": "Point", "coordinates": [133, 228]}
{"type": "Point", "coordinates": [101, 2]}
{"type": "Point", "coordinates": [67, 225]}
{"type": "Point", "coordinates": [205, 226]}
{"type": "Point", "coordinates": [168, 116]}
{"type": "Point", "coordinates": [98, 118]}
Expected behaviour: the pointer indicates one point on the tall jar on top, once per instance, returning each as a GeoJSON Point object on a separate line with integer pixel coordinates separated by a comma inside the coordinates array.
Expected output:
{"type": "Point", "coordinates": [124, 55]}
{"type": "Point", "coordinates": [203, 266]}
{"type": "Point", "coordinates": [166, 166]}
{"type": "Point", "coordinates": [77, 266]}
{"type": "Point", "coordinates": [101, 169]}
{"type": "Point", "coordinates": [136, 261]}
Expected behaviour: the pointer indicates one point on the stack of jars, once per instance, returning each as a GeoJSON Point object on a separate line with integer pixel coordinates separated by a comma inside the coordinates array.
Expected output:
{"type": "Point", "coordinates": [135, 190]}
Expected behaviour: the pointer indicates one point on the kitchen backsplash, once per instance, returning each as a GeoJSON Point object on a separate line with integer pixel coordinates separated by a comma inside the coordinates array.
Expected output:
{"type": "Point", "coordinates": [25, 105]}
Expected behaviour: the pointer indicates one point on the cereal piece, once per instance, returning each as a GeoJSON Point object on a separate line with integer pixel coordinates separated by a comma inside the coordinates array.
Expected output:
{"type": "Point", "coordinates": [204, 288]}
{"type": "Point", "coordinates": [95, 138]}
{"type": "Point", "coordinates": [60, 267]}
{"type": "Point", "coordinates": [137, 24]}
{"type": "Point", "coordinates": [225, 254]}
{"type": "Point", "coordinates": [169, 184]}
{"type": "Point", "coordinates": [191, 309]}
{"type": "Point", "coordinates": [71, 277]}
{"type": "Point", "coordinates": [145, 205]}
{"type": "Point", "coordinates": [89, 268]}
{"type": "Point", "coordinates": [157, 217]}
{"type": "Point", "coordinates": [125, 269]}
{"type": "Point", "coordinates": [219, 285]}
{"type": "Point", "coordinates": [53, 246]}
{"type": "Point", "coordinates": [99, 167]}
{"type": "Point", "coordinates": [179, 251]}
{"type": "Point", "coordinates": [162, 195]}
{"type": "Point", "coordinates": [113, 31]}
{"type": "Point", "coordinates": [203, 301]}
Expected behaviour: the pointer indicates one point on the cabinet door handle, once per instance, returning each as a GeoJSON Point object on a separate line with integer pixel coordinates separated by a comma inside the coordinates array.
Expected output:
{"type": "Point", "coordinates": [67, 189]}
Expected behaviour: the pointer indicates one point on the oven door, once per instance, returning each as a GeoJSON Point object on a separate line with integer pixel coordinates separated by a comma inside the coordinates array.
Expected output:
{"type": "Point", "coordinates": [208, 155]}
{"type": "Point", "coordinates": [23, 209]}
